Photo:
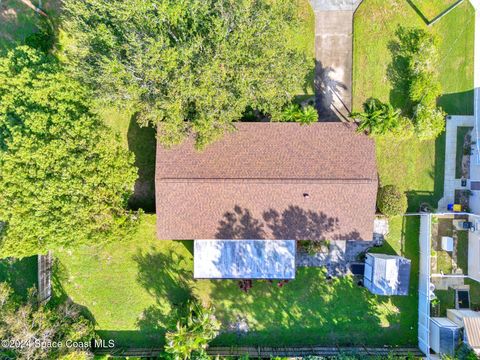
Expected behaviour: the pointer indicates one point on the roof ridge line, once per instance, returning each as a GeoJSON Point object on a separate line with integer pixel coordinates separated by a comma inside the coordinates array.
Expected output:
{"type": "Point", "coordinates": [267, 180]}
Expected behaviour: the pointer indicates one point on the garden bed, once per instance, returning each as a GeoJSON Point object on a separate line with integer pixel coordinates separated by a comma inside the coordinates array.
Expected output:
{"type": "Point", "coordinates": [464, 148]}
{"type": "Point", "coordinates": [449, 262]}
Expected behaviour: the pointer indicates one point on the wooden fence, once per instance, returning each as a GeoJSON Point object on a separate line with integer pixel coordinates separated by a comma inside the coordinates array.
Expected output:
{"type": "Point", "coordinates": [45, 263]}
{"type": "Point", "coordinates": [269, 352]}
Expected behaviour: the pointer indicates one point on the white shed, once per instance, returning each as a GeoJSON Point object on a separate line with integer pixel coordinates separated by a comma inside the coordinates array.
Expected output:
{"type": "Point", "coordinates": [444, 336]}
{"type": "Point", "coordinates": [387, 274]}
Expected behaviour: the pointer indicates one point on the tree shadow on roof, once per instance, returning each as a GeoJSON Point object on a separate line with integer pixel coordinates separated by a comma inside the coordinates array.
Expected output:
{"type": "Point", "coordinates": [293, 223]}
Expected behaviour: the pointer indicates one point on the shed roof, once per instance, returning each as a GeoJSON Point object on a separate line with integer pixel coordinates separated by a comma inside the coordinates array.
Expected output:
{"type": "Point", "coordinates": [387, 274]}
{"type": "Point", "coordinates": [244, 259]}
{"type": "Point", "coordinates": [269, 181]}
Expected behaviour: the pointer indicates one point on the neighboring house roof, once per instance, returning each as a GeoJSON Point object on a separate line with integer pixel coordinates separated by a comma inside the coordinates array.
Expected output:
{"type": "Point", "coordinates": [472, 332]}
{"type": "Point", "coordinates": [244, 259]}
{"type": "Point", "coordinates": [269, 181]}
{"type": "Point", "coordinates": [387, 274]}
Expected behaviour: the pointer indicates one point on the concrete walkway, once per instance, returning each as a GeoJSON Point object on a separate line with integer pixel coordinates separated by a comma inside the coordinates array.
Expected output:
{"type": "Point", "coordinates": [334, 57]}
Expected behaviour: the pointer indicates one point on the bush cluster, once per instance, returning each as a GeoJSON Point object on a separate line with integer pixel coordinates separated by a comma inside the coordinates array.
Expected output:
{"type": "Point", "coordinates": [391, 201]}
{"type": "Point", "coordinates": [296, 113]}
{"type": "Point", "coordinates": [414, 66]}
{"type": "Point", "coordinates": [419, 52]}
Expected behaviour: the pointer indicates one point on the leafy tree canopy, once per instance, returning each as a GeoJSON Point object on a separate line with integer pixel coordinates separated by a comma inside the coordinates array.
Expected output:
{"type": "Point", "coordinates": [191, 66]}
{"type": "Point", "coordinates": [193, 332]}
{"type": "Point", "coordinates": [30, 328]}
{"type": "Point", "coordinates": [65, 178]}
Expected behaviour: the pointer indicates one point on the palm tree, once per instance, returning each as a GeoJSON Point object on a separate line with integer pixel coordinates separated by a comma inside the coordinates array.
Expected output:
{"type": "Point", "coordinates": [377, 118]}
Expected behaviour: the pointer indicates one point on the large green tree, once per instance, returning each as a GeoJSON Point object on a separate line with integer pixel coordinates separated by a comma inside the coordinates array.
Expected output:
{"type": "Point", "coordinates": [64, 177]}
{"type": "Point", "coordinates": [27, 329]}
{"type": "Point", "coordinates": [190, 66]}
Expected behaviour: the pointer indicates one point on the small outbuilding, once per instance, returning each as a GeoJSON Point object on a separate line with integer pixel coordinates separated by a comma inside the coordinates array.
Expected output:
{"type": "Point", "coordinates": [244, 259]}
{"type": "Point", "coordinates": [387, 274]}
{"type": "Point", "coordinates": [444, 336]}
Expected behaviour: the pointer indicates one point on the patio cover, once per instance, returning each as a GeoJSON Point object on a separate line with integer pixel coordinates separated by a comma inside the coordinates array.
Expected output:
{"type": "Point", "coordinates": [244, 259]}
{"type": "Point", "coordinates": [472, 332]}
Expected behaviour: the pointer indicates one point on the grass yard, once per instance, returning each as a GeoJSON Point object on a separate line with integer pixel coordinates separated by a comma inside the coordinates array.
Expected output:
{"type": "Point", "coordinates": [141, 141]}
{"type": "Point", "coordinates": [130, 288]}
{"type": "Point", "coordinates": [432, 8]}
{"type": "Point", "coordinates": [21, 274]}
{"type": "Point", "coordinates": [446, 299]}
{"type": "Point", "coordinates": [474, 293]}
{"type": "Point", "coordinates": [443, 259]}
{"type": "Point", "coordinates": [462, 251]}
{"type": "Point", "coordinates": [416, 167]}
{"type": "Point", "coordinates": [304, 39]}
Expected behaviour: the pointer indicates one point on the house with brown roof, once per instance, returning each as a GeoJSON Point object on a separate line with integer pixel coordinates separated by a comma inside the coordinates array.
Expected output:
{"type": "Point", "coordinates": [269, 181]}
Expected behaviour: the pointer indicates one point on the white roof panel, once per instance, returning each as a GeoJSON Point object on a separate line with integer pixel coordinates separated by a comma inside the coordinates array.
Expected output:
{"type": "Point", "coordinates": [244, 259]}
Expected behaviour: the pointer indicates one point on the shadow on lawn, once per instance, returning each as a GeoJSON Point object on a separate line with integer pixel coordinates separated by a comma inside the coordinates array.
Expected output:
{"type": "Point", "coordinates": [142, 142]}
{"type": "Point", "coordinates": [308, 310]}
{"type": "Point", "coordinates": [20, 274]}
{"type": "Point", "coordinates": [166, 278]}
{"type": "Point", "coordinates": [59, 295]}
{"type": "Point", "coordinates": [417, 198]}
{"type": "Point", "coordinates": [315, 310]}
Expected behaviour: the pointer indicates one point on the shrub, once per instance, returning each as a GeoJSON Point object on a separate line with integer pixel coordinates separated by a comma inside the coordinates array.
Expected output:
{"type": "Point", "coordinates": [43, 39]}
{"type": "Point", "coordinates": [193, 332]}
{"type": "Point", "coordinates": [24, 321]}
{"type": "Point", "coordinates": [295, 113]}
{"type": "Point", "coordinates": [429, 121]}
{"type": "Point", "coordinates": [313, 247]}
{"type": "Point", "coordinates": [378, 118]}
{"type": "Point", "coordinates": [417, 51]}
{"type": "Point", "coordinates": [391, 201]}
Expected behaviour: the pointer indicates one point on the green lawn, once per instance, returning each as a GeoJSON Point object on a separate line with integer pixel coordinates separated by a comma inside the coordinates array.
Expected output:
{"type": "Point", "coordinates": [304, 39]}
{"type": "Point", "coordinates": [416, 167]}
{"type": "Point", "coordinates": [21, 274]}
{"type": "Point", "coordinates": [462, 251]}
{"type": "Point", "coordinates": [474, 293]}
{"type": "Point", "coordinates": [130, 288]}
{"type": "Point", "coordinates": [446, 299]}
{"type": "Point", "coordinates": [432, 8]}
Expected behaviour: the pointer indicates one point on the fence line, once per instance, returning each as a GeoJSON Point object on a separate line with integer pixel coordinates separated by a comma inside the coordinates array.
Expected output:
{"type": "Point", "coordinates": [45, 263]}
{"type": "Point", "coordinates": [269, 352]}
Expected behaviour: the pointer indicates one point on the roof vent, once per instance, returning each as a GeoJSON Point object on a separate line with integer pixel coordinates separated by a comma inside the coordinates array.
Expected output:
{"type": "Point", "coordinates": [306, 195]}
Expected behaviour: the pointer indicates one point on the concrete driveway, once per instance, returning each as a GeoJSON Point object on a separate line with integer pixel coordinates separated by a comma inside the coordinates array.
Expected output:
{"type": "Point", "coordinates": [334, 57]}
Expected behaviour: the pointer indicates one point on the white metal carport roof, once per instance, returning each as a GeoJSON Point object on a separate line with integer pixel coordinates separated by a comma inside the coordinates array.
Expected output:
{"type": "Point", "coordinates": [244, 259]}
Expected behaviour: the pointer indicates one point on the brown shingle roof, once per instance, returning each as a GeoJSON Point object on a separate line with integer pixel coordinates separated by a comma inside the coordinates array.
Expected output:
{"type": "Point", "coordinates": [254, 184]}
